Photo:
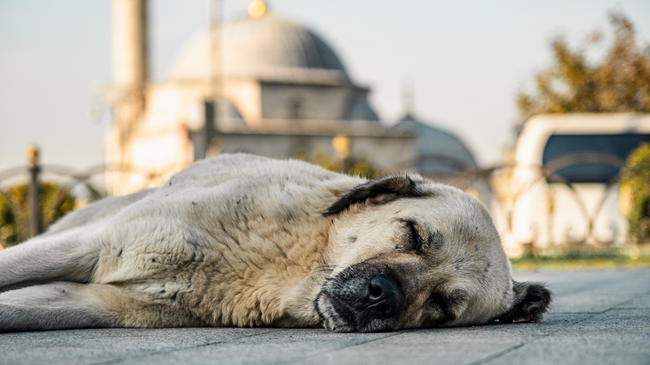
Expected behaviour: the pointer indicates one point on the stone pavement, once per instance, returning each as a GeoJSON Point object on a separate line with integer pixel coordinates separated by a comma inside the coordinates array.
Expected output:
{"type": "Point", "coordinates": [598, 317]}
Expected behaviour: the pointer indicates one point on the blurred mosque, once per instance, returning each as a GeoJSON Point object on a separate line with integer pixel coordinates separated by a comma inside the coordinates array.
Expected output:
{"type": "Point", "coordinates": [259, 84]}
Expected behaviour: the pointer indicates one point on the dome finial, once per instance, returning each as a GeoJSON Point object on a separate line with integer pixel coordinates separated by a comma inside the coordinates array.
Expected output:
{"type": "Point", "coordinates": [257, 8]}
{"type": "Point", "coordinates": [408, 98]}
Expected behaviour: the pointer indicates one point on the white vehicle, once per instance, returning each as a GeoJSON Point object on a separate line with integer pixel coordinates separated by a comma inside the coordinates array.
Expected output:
{"type": "Point", "coordinates": [567, 170]}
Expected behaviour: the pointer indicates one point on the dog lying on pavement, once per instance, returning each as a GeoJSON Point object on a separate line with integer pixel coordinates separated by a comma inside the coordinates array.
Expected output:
{"type": "Point", "coordinates": [241, 240]}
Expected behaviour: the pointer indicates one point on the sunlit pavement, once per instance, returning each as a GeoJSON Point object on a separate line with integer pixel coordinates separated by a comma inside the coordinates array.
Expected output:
{"type": "Point", "coordinates": [598, 317]}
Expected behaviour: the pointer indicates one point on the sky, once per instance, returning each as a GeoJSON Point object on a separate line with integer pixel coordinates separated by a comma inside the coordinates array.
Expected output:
{"type": "Point", "coordinates": [465, 61]}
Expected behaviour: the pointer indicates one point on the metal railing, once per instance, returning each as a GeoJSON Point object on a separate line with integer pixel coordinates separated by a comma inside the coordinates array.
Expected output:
{"type": "Point", "coordinates": [498, 186]}
{"type": "Point", "coordinates": [64, 179]}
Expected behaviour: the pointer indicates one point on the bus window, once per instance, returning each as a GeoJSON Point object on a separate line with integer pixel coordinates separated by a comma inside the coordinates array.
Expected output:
{"type": "Point", "coordinates": [589, 158]}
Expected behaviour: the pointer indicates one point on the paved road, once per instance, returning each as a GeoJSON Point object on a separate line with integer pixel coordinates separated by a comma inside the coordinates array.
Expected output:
{"type": "Point", "coordinates": [598, 317]}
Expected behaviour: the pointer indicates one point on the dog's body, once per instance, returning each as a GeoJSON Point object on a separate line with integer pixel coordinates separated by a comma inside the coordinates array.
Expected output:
{"type": "Point", "coordinates": [241, 240]}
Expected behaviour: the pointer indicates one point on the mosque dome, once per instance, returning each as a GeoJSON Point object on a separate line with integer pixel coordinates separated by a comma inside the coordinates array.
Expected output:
{"type": "Point", "coordinates": [439, 152]}
{"type": "Point", "coordinates": [267, 48]}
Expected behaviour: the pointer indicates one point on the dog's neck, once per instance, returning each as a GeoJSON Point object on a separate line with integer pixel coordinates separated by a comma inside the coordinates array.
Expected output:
{"type": "Point", "coordinates": [280, 279]}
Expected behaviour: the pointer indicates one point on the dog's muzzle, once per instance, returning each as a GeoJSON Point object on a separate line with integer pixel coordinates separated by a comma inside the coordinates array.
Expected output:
{"type": "Point", "coordinates": [357, 304]}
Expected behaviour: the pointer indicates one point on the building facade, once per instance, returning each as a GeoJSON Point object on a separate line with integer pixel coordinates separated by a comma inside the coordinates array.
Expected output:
{"type": "Point", "coordinates": [259, 84]}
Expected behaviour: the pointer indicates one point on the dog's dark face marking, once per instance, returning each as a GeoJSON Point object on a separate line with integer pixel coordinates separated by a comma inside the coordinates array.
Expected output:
{"type": "Point", "coordinates": [364, 298]}
{"type": "Point", "coordinates": [424, 255]}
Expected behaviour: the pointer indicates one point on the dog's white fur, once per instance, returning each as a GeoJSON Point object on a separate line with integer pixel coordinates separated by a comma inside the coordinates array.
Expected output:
{"type": "Point", "coordinates": [240, 240]}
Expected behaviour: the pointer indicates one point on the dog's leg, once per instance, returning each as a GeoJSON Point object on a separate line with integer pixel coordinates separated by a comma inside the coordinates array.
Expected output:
{"type": "Point", "coordinates": [61, 305]}
{"type": "Point", "coordinates": [67, 251]}
{"type": "Point", "coordinates": [57, 305]}
{"type": "Point", "coordinates": [65, 256]}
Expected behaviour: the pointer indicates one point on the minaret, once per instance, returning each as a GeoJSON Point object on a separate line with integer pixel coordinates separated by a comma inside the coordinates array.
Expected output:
{"type": "Point", "coordinates": [130, 59]}
{"type": "Point", "coordinates": [130, 45]}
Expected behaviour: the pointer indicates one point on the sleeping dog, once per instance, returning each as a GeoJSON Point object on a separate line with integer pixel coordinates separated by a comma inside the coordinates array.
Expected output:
{"type": "Point", "coordinates": [241, 240]}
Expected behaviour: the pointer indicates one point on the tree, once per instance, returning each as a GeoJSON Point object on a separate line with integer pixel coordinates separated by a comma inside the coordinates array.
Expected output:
{"type": "Point", "coordinates": [56, 201]}
{"type": "Point", "coordinates": [620, 82]}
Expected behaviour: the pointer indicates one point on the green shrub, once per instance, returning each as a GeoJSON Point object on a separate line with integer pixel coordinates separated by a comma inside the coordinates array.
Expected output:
{"type": "Point", "coordinates": [635, 193]}
{"type": "Point", "coordinates": [56, 201]}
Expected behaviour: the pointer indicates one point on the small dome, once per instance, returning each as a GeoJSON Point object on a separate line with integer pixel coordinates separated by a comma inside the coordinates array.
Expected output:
{"type": "Point", "coordinates": [266, 48]}
{"type": "Point", "coordinates": [438, 151]}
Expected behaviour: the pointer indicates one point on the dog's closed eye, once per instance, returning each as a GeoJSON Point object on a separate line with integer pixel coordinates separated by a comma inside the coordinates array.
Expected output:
{"type": "Point", "coordinates": [415, 239]}
{"type": "Point", "coordinates": [418, 239]}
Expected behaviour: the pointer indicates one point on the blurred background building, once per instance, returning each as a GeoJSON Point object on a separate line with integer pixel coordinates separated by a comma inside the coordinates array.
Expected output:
{"type": "Point", "coordinates": [258, 84]}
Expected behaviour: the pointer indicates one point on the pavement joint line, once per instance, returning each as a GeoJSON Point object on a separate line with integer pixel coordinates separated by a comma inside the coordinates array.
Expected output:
{"type": "Point", "coordinates": [394, 334]}
{"type": "Point", "coordinates": [629, 300]}
{"type": "Point", "coordinates": [535, 338]}
{"type": "Point", "coordinates": [588, 286]}
{"type": "Point", "coordinates": [499, 354]}
{"type": "Point", "coordinates": [149, 353]}
{"type": "Point", "coordinates": [532, 339]}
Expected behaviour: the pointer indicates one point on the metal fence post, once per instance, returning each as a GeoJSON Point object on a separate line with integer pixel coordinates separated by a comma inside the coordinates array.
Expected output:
{"type": "Point", "coordinates": [35, 225]}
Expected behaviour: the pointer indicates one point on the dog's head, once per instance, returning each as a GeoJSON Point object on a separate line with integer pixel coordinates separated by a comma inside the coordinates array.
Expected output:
{"type": "Point", "coordinates": [419, 254]}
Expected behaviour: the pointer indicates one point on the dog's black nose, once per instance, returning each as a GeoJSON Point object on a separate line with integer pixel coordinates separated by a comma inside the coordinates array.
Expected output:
{"type": "Point", "coordinates": [383, 297]}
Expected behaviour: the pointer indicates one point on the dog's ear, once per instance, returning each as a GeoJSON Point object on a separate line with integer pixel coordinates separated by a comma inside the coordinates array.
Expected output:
{"type": "Point", "coordinates": [378, 191]}
{"type": "Point", "coordinates": [531, 300]}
